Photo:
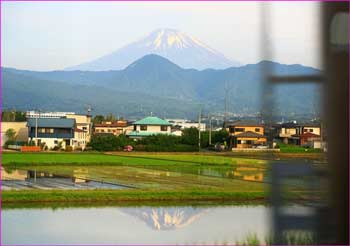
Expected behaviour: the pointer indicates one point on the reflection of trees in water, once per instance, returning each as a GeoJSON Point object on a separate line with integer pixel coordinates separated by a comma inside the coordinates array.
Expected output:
{"type": "Point", "coordinates": [245, 173]}
{"type": "Point", "coordinates": [166, 218]}
{"type": "Point", "coordinates": [13, 174]}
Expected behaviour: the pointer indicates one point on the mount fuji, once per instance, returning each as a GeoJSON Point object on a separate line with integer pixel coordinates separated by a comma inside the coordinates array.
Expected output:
{"type": "Point", "coordinates": [178, 47]}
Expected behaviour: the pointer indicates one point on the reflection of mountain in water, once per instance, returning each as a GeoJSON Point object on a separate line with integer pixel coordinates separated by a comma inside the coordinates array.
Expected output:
{"type": "Point", "coordinates": [166, 218]}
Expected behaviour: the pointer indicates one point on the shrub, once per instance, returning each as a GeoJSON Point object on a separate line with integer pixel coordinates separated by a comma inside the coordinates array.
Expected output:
{"type": "Point", "coordinates": [190, 136]}
{"type": "Point", "coordinates": [104, 142]}
{"type": "Point", "coordinates": [10, 134]}
{"type": "Point", "coordinates": [174, 148]}
{"type": "Point", "coordinates": [69, 148]}
{"type": "Point", "coordinates": [161, 140]}
{"type": "Point", "coordinates": [9, 142]}
{"type": "Point", "coordinates": [42, 145]}
{"type": "Point", "coordinates": [56, 148]}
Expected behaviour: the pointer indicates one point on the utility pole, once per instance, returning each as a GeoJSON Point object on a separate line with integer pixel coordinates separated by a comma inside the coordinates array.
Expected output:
{"type": "Point", "coordinates": [210, 129]}
{"type": "Point", "coordinates": [199, 129]}
{"type": "Point", "coordinates": [36, 128]}
{"type": "Point", "coordinates": [225, 113]}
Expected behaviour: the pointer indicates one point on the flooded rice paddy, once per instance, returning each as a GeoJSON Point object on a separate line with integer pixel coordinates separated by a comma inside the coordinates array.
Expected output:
{"type": "Point", "coordinates": [135, 225]}
{"type": "Point", "coordinates": [17, 179]}
{"type": "Point", "coordinates": [122, 177]}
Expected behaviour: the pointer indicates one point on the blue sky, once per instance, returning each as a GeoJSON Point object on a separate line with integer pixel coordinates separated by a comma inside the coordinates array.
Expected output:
{"type": "Point", "coordinates": [55, 35]}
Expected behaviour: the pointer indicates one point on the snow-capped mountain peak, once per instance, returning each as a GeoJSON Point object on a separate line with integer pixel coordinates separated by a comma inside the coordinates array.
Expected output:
{"type": "Point", "coordinates": [177, 46]}
{"type": "Point", "coordinates": [168, 38]}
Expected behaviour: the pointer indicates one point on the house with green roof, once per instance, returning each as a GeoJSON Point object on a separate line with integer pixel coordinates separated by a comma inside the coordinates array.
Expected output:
{"type": "Point", "coordinates": [149, 126]}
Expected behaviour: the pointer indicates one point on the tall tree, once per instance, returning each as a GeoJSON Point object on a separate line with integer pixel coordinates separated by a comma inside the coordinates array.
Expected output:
{"type": "Point", "coordinates": [98, 119]}
{"type": "Point", "coordinates": [10, 134]}
{"type": "Point", "coordinates": [110, 117]}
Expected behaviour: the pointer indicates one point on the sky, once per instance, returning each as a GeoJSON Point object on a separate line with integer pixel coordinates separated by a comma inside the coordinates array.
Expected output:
{"type": "Point", "coordinates": [53, 35]}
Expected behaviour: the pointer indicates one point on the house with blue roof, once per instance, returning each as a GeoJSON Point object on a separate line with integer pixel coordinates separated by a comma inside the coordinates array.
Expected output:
{"type": "Point", "coordinates": [51, 131]}
{"type": "Point", "coordinates": [149, 126]}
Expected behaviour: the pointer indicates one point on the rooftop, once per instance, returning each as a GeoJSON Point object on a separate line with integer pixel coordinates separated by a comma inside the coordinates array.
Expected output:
{"type": "Point", "coordinates": [244, 123]}
{"type": "Point", "coordinates": [294, 125]}
{"type": "Point", "coordinates": [152, 120]}
{"type": "Point", "coordinates": [307, 135]}
{"type": "Point", "coordinates": [51, 122]}
{"type": "Point", "coordinates": [249, 134]}
{"type": "Point", "coordinates": [144, 133]}
{"type": "Point", "coordinates": [117, 123]}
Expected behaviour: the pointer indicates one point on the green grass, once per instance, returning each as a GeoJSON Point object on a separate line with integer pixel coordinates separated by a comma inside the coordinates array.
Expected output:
{"type": "Point", "coordinates": [288, 238]}
{"type": "Point", "coordinates": [131, 159]}
{"type": "Point", "coordinates": [131, 203]}
{"type": "Point", "coordinates": [290, 148]}
{"type": "Point", "coordinates": [91, 196]}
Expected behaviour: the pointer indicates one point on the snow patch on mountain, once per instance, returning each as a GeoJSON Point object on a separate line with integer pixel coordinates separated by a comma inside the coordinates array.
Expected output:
{"type": "Point", "coordinates": [180, 48]}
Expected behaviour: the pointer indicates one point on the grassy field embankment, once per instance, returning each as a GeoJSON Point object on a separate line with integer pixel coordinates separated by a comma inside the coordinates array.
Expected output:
{"type": "Point", "coordinates": [167, 177]}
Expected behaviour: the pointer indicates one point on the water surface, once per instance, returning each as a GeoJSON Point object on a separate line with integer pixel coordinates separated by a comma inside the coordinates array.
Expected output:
{"type": "Point", "coordinates": [18, 179]}
{"type": "Point", "coordinates": [134, 225]}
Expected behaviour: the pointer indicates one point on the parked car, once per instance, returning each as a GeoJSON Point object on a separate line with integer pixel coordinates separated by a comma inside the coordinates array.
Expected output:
{"type": "Point", "coordinates": [219, 147]}
{"type": "Point", "coordinates": [128, 148]}
{"type": "Point", "coordinates": [262, 147]}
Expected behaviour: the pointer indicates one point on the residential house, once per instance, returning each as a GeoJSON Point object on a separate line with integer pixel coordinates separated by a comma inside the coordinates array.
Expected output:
{"type": "Point", "coordinates": [19, 127]}
{"type": "Point", "coordinates": [299, 134]}
{"type": "Point", "coordinates": [150, 126]}
{"type": "Point", "coordinates": [307, 139]}
{"type": "Point", "coordinates": [83, 127]}
{"type": "Point", "coordinates": [83, 124]}
{"type": "Point", "coordinates": [80, 139]}
{"type": "Point", "coordinates": [51, 131]}
{"type": "Point", "coordinates": [288, 133]}
{"type": "Point", "coordinates": [116, 127]}
{"type": "Point", "coordinates": [246, 134]}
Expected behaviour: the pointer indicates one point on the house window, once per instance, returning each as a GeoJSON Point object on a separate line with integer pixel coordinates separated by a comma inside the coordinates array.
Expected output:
{"type": "Point", "coordinates": [41, 130]}
{"type": "Point", "coordinates": [84, 128]}
{"type": "Point", "coordinates": [63, 130]}
{"type": "Point", "coordinates": [257, 129]}
{"type": "Point", "coordinates": [135, 128]}
{"type": "Point", "coordinates": [109, 130]}
{"type": "Point", "coordinates": [49, 130]}
{"type": "Point", "coordinates": [238, 141]}
{"type": "Point", "coordinates": [249, 142]}
{"type": "Point", "coordinates": [164, 128]}
{"type": "Point", "coordinates": [102, 130]}
{"type": "Point", "coordinates": [311, 130]}
{"type": "Point", "coordinates": [55, 142]}
{"type": "Point", "coordinates": [239, 129]}
{"type": "Point", "coordinates": [143, 128]}
{"type": "Point", "coordinates": [232, 130]}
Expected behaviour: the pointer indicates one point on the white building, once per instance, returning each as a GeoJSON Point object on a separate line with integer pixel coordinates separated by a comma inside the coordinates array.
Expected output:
{"type": "Point", "coordinates": [183, 124]}
{"type": "Point", "coordinates": [36, 114]}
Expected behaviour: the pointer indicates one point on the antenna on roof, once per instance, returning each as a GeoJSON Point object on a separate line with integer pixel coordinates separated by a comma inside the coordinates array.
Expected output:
{"type": "Point", "coordinates": [89, 109]}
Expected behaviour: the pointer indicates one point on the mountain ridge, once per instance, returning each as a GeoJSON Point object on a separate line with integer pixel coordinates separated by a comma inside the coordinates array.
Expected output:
{"type": "Point", "coordinates": [159, 85]}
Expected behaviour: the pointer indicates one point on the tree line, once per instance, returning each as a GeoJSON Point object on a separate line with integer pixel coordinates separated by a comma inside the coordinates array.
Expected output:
{"type": "Point", "coordinates": [160, 142]}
